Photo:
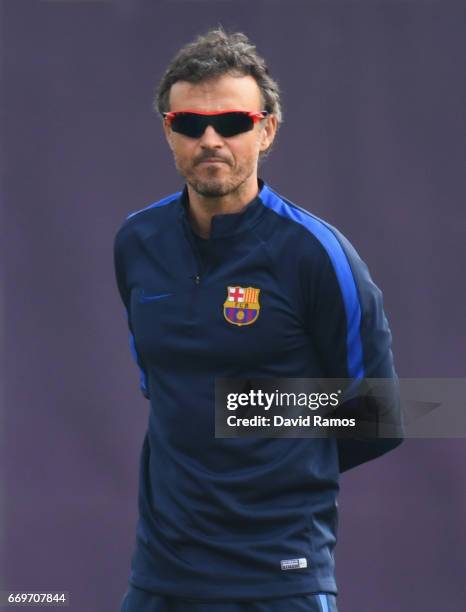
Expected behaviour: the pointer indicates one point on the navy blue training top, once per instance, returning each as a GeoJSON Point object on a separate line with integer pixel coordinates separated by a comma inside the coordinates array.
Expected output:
{"type": "Point", "coordinates": [240, 518]}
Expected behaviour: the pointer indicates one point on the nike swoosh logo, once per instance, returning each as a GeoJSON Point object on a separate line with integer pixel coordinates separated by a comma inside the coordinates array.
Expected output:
{"type": "Point", "coordinates": [150, 298]}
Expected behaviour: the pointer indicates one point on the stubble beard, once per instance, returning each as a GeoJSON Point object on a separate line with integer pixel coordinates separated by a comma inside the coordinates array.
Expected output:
{"type": "Point", "coordinates": [213, 185]}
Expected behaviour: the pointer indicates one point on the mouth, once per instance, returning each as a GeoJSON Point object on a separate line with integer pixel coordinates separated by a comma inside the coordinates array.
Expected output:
{"type": "Point", "coordinates": [212, 161]}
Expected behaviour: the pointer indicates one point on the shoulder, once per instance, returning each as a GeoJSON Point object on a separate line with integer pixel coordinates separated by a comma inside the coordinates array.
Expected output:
{"type": "Point", "coordinates": [159, 204]}
{"type": "Point", "coordinates": [144, 221]}
{"type": "Point", "coordinates": [317, 239]}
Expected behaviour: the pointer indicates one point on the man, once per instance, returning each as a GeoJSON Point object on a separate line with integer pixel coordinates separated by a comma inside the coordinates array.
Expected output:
{"type": "Point", "coordinates": [242, 524]}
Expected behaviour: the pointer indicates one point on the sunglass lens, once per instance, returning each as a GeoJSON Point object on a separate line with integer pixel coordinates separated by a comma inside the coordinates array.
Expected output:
{"type": "Point", "coordinates": [231, 124]}
{"type": "Point", "coordinates": [189, 124]}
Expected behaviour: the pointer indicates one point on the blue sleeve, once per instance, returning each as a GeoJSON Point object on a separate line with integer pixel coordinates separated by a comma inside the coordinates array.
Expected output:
{"type": "Point", "coordinates": [351, 334]}
{"type": "Point", "coordinates": [125, 297]}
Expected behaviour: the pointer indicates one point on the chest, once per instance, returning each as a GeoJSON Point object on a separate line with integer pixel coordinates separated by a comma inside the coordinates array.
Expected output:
{"type": "Point", "coordinates": [226, 304]}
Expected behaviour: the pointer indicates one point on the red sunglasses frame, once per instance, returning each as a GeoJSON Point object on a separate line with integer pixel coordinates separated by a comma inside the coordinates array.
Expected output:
{"type": "Point", "coordinates": [255, 115]}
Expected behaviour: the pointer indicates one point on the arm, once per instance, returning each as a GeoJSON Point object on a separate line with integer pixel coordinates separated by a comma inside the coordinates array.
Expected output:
{"type": "Point", "coordinates": [352, 337]}
{"type": "Point", "coordinates": [125, 297]}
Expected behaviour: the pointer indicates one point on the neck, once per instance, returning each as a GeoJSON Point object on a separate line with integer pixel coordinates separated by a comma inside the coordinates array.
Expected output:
{"type": "Point", "coordinates": [202, 208]}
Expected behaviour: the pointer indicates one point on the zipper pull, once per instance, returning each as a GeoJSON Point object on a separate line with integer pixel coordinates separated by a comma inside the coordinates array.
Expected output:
{"type": "Point", "coordinates": [197, 279]}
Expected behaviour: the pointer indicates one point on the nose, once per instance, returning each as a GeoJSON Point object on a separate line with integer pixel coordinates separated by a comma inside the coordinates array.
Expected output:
{"type": "Point", "coordinates": [210, 138]}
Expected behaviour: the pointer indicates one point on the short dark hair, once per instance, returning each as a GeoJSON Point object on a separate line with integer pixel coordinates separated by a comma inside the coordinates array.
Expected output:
{"type": "Point", "coordinates": [213, 55]}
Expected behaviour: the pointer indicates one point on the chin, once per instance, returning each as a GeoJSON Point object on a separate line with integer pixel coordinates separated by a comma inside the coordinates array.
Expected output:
{"type": "Point", "coordinates": [212, 188]}
{"type": "Point", "coordinates": [211, 191]}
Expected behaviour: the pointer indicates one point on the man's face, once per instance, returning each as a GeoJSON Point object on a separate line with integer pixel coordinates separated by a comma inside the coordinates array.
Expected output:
{"type": "Point", "coordinates": [237, 155]}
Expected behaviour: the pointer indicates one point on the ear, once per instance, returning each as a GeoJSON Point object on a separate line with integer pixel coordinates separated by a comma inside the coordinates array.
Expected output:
{"type": "Point", "coordinates": [268, 132]}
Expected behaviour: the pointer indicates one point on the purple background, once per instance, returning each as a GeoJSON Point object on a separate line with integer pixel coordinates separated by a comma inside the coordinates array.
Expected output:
{"type": "Point", "coordinates": [373, 141]}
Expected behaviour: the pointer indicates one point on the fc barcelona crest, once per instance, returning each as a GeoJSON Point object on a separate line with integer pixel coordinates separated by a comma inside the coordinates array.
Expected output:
{"type": "Point", "coordinates": [242, 305]}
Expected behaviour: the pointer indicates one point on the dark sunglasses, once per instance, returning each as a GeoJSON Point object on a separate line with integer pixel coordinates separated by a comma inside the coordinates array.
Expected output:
{"type": "Point", "coordinates": [226, 123]}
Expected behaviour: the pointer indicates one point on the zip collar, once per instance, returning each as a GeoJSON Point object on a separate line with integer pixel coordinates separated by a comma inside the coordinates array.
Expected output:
{"type": "Point", "coordinates": [228, 224]}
